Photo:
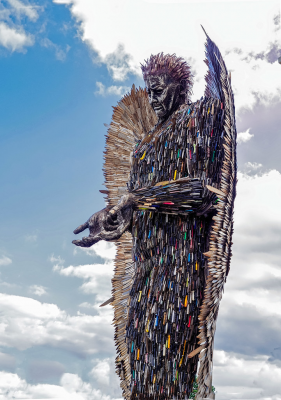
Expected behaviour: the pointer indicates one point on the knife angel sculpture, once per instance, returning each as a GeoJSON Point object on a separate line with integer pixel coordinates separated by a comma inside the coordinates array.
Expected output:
{"type": "Point", "coordinates": [170, 173]}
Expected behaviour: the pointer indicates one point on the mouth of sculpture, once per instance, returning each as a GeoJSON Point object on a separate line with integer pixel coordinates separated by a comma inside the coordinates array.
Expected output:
{"type": "Point", "coordinates": [158, 108]}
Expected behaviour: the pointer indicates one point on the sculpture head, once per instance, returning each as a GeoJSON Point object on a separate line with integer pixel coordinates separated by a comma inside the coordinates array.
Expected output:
{"type": "Point", "coordinates": [168, 80]}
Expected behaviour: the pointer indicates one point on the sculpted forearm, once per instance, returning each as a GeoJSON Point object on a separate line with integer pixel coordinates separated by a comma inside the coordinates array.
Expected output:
{"type": "Point", "coordinates": [182, 195]}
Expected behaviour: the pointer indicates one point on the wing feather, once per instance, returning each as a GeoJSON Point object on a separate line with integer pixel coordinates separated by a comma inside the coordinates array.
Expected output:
{"type": "Point", "coordinates": [218, 85]}
{"type": "Point", "coordinates": [132, 119]}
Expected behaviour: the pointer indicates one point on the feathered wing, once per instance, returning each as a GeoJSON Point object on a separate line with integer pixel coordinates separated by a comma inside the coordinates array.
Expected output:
{"type": "Point", "coordinates": [218, 85]}
{"type": "Point", "coordinates": [132, 119]}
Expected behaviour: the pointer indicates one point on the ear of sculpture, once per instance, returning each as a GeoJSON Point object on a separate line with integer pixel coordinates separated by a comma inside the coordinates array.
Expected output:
{"type": "Point", "coordinates": [182, 94]}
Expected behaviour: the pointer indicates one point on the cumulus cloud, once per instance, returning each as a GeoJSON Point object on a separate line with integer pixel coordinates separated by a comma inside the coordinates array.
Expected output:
{"type": "Point", "coordinates": [101, 371]}
{"type": "Point", "coordinates": [14, 39]}
{"type": "Point", "coordinates": [111, 90]}
{"type": "Point", "coordinates": [85, 304]}
{"type": "Point", "coordinates": [57, 261]}
{"type": "Point", "coordinates": [60, 53]}
{"type": "Point", "coordinates": [122, 47]}
{"type": "Point", "coordinates": [13, 15]}
{"type": "Point", "coordinates": [24, 9]}
{"type": "Point", "coordinates": [26, 322]}
{"type": "Point", "coordinates": [4, 260]}
{"type": "Point", "coordinates": [243, 137]}
{"type": "Point", "coordinates": [248, 80]}
{"type": "Point", "coordinates": [38, 290]}
{"type": "Point", "coordinates": [103, 249]}
{"type": "Point", "coordinates": [253, 166]}
{"type": "Point", "coordinates": [96, 277]}
{"type": "Point", "coordinates": [247, 361]}
{"type": "Point", "coordinates": [71, 387]}
{"type": "Point", "coordinates": [240, 378]}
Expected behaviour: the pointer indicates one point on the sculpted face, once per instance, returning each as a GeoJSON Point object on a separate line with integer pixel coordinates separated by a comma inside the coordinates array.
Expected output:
{"type": "Point", "coordinates": [164, 95]}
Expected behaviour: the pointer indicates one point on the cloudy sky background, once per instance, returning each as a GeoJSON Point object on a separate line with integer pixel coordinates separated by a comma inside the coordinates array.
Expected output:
{"type": "Point", "coordinates": [63, 65]}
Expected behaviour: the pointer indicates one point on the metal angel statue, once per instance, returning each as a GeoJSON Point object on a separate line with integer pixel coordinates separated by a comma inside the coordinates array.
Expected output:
{"type": "Point", "coordinates": [170, 173]}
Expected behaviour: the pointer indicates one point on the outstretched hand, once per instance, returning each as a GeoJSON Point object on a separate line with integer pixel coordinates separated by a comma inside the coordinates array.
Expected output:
{"type": "Point", "coordinates": [107, 224]}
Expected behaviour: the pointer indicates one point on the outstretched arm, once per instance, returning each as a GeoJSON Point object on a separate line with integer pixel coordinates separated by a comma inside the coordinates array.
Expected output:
{"type": "Point", "coordinates": [183, 195]}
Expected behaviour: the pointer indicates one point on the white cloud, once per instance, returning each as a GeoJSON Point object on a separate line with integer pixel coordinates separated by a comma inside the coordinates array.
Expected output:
{"type": "Point", "coordinates": [26, 9]}
{"type": "Point", "coordinates": [248, 81]}
{"type": "Point", "coordinates": [103, 249]}
{"type": "Point", "coordinates": [122, 45]}
{"type": "Point", "coordinates": [253, 166]}
{"type": "Point", "coordinates": [57, 261]}
{"type": "Point", "coordinates": [38, 290]}
{"type": "Point", "coordinates": [249, 317]}
{"type": "Point", "coordinates": [14, 39]}
{"type": "Point", "coordinates": [243, 137]}
{"type": "Point", "coordinates": [71, 388]}
{"type": "Point", "coordinates": [96, 277]}
{"type": "Point", "coordinates": [4, 260]}
{"type": "Point", "coordinates": [25, 322]}
{"type": "Point", "coordinates": [59, 52]}
{"type": "Point", "coordinates": [86, 305]}
{"type": "Point", "coordinates": [238, 377]}
{"type": "Point", "coordinates": [111, 90]}
{"type": "Point", "coordinates": [101, 372]}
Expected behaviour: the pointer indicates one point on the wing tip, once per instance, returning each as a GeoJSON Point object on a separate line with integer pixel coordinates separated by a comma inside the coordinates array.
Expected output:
{"type": "Point", "coordinates": [107, 302]}
{"type": "Point", "coordinates": [204, 31]}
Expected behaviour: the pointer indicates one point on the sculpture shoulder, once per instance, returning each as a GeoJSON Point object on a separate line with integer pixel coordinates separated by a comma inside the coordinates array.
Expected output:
{"type": "Point", "coordinates": [194, 109]}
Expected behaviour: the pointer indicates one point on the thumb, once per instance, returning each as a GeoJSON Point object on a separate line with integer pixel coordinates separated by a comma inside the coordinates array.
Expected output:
{"type": "Point", "coordinates": [81, 228]}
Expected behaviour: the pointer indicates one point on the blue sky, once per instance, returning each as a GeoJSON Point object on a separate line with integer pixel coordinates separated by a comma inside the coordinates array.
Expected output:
{"type": "Point", "coordinates": [52, 139]}
{"type": "Point", "coordinates": [63, 65]}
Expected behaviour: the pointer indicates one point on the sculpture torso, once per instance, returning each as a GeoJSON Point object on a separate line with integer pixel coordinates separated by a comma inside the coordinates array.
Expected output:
{"type": "Point", "coordinates": [170, 271]}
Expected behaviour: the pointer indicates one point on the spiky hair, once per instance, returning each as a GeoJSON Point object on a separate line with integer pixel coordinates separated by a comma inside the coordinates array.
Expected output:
{"type": "Point", "coordinates": [175, 67]}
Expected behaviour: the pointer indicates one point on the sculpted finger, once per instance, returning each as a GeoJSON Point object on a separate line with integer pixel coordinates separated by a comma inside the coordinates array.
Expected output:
{"type": "Point", "coordinates": [86, 241]}
{"type": "Point", "coordinates": [111, 225]}
{"type": "Point", "coordinates": [81, 228]}
{"type": "Point", "coordinates": [114, 234]}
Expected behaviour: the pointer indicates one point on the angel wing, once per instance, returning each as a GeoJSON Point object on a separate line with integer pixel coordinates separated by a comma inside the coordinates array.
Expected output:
{"type": "Point", "coordinates": [218, 85]}
{"type": "Point", "coordinates": [132, 119]}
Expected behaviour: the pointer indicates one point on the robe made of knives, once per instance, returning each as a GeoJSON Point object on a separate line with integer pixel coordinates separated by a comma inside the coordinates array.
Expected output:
{"type": "Point", "coordinates": [170, 274]}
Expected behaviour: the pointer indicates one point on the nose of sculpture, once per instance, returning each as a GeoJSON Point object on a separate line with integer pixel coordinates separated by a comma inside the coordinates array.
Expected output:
{"type": "Point", "coordinates": [152, 98]}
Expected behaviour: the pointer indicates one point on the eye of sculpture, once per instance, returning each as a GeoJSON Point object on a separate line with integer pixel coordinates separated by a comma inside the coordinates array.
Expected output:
{"type": "Point", "coordinates": [170, 171]}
